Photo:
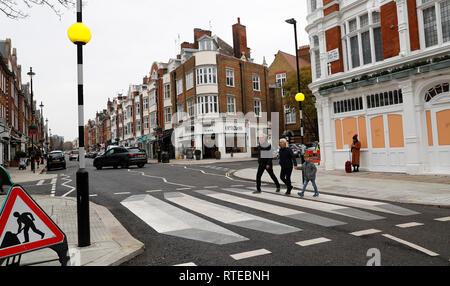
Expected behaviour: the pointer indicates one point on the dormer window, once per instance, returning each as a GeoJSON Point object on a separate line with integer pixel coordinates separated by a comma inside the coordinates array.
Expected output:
{"type": "Point", "coordinates": [207, 44]}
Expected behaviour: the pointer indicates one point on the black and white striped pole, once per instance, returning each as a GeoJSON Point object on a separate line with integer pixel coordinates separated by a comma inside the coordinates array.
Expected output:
{"type": "Point", "coordinates": [300, 97]}
{"type": "Point", "coordinates": [80, 35]}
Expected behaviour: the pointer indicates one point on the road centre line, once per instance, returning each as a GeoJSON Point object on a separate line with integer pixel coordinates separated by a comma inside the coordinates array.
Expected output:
{"type": "Point", "coordinates": [162, 178]}
{"type": "Point", "coordinates": [124, 193]}
{"type": "Point", "coordinates": [412, 245]}
{"type": "Point", "coordinates": [186, 264]}
{"type": "Point", "coordinates": [443, 219]}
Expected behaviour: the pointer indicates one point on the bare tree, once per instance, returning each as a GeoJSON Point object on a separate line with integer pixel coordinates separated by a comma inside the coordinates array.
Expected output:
{"type": "Point", "coordinates": [15, 9]}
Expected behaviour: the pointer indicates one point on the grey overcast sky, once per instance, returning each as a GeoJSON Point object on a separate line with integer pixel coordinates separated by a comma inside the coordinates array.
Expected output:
{"type": "Point", "coordinates": [127, 37]}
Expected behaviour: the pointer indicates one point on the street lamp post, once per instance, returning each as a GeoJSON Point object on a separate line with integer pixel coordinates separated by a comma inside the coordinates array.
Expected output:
{"type": "Point", "coordinates": [80, 35]}
{"type": "Point", "coordinates": [31, 74]}
{"type": "Point", "coordinates": [41, 140]}
{"type": "Point", "coordinates": [300, 97]}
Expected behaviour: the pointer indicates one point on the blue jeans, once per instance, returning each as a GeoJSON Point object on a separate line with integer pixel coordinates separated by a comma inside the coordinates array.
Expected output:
{"type": "Point", "coordinates": [306, 184]}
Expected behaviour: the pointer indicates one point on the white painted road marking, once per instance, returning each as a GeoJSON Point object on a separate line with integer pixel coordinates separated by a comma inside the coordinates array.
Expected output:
{"type": "Point", "coordinates": [124, 193]}
{"type": "Point", "coordinates": [365, 232]}
{"type": "Point", "coordinates": [325, 207]}
{"type": "Point", "coordinates": [186, 264]}
{"type": "Point", "coordinates": [443, 219]}
{"type": "Point", "coordinates": [170, 220]}
{"type": "Point", "coordinates": [313, 241]}
{"type": "Point", "coordinates": [274, 209]}
{"type": "Point", "coordinates": [94, 195]}
{"type": "Point", "coordinates": [211, 187]}
{"type": "Point", "coordinates": [154, 191]}
{"type": "Point", "coordinates": [162, 178]}
{"type": "Point", "coordinates": [361, 203]}
{"type": "Point", "coordinates": [408, 225]}
{"type": "Point", "coordinates": [229, 215]}
{"type": "Point", "coordinates": [249, 254]}
{"type": "Point", "coordinates": [412, 245]}
{"type": "Point", "coordinates": [40, 183]}
{"type": "Point", "coordinates": [183, 189]}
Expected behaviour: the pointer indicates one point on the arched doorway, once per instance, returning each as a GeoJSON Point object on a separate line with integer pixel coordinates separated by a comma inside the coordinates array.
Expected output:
{"type": "Point", "coordinates": [437, 116]}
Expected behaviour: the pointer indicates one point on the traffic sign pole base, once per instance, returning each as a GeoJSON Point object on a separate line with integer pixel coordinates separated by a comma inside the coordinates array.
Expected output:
{"type": "Point", "coordinates": [84, 233]}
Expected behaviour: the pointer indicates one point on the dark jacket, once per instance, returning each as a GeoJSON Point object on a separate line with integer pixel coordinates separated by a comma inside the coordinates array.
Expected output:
{"type": "Point", "coordinates": [287, 158]}
{"type": "Point", "coordinates": [265, 154]}
{"type": "Point", "coordinates": [310, 170]}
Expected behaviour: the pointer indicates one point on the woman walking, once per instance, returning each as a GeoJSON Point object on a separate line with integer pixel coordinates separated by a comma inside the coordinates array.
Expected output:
{"type": "Point", "coordinates": [287, 163]}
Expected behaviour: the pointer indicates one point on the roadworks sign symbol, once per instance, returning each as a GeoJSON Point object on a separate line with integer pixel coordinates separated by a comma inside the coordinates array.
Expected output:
{"type": "Point", "coordinates": [24, 226]}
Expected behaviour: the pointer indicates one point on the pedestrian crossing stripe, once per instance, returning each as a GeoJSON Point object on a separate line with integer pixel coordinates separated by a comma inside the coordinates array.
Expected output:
{"type": "Point", "coordinates": [319, 206]}
{"type": "Point", "coordinates": [228, 215]}
{"type": "Point", "coordinates": [20, 214]}
{"type": "Point", "coordinates": [170, 220]}
{"type": "Point", "coordinates": [274, 209]}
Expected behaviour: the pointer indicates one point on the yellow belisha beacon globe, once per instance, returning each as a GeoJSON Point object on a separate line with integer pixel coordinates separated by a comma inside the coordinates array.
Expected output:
{"type": "Point", "coordinates": [79, 34]}
{"type": "Point", "coordinates": [300, 97]}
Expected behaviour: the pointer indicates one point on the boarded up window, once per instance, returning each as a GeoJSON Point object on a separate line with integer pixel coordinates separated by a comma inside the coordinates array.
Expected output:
{"type": "Point", "coordinates": [395, 123]}
{"type": "Point", "coordinates": [377, 132]}
{"type": "Point", "coordinates": [429, 129]}
{"type": "Point", "coordinates": [338, 130]}
{"type": "Point", "coordinates": [443, 127]}
{"type": "Point", "coordinates": [362, 131]}
{"type": "Point", "coordinates": [350, 129]}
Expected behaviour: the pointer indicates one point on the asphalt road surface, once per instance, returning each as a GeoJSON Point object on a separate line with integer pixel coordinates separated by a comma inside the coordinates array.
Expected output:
{"type": "Point", "coordinates": [197, 215]}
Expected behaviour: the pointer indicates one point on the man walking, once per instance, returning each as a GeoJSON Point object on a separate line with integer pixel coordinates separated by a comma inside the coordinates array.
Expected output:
{"type": "Point", "coordinates": [265, 163]}
{"type": "Point", "coordinates": [287, 163]}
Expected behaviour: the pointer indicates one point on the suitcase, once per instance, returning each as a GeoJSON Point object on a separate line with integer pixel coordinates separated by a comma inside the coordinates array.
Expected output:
{"type": "Point", "coordinates": [348, 165]}
{"type": "Point", "coordinates": [9, 240]}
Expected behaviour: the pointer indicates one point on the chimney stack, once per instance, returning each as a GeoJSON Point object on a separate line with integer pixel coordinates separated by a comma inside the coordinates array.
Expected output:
{"type": "Point", "coordinates": [240, 40]}
{"type": "Point", "coordinates": [198, 33]}
{"type": "Point", "coordinates": [145, 81]}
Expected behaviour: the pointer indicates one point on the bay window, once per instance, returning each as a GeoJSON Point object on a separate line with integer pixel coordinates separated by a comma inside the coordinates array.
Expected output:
{"type": "Point", "coordinates": [206, 75]}
{"type": "Point", "coordinates": [207, 104]}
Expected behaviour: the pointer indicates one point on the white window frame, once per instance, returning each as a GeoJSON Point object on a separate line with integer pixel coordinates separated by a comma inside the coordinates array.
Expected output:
{"type": "Point", "coordinates": [207, 104]}
{"type": "Point", "coordinates": [231, 104]}
{"type": "Point", "coordinates": [167, 91]}
{"type": "Point", "coordinates": [191, 107]}
{"type": "Point", "coordinates": [280, 79]}
{"type": "Point", "coordinates": [257, 107]}
{"type": "Point", "coordinates": [206, 75]}
{"type": "Point", "coordinates": [358, 33]}
{"type": "Point", "coordinates": [190, 80]}
{"type": "Point", "coordinates": [168, 114]}
{"type": "Point", "coordinates": [179, 86]}
{"type": "Point", "coordinates": [229, 73]}
{"type": "Point", "coordinates": [291, 119]}
{"type": "Point", "coordinates": [256, 82]}
{"type": "Point", "coordinates": [422, 6]}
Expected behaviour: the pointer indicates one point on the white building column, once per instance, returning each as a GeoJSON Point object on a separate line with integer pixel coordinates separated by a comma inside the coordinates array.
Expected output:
{"type": "Point", "coordinates": [327, 142]}
{"type": "Point", "coordinates": [403, 26]}
{"type": "Point", "coordinates": [414, 142]}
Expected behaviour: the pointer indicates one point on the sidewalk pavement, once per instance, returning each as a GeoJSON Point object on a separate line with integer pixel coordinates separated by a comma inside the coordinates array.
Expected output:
{"type": "Point", "coordinates": [21, 176]}
{"type": "Point", "coordinates": [203, 162]}
{"type": "Point", "coordinates": [401, 188]}
{"type": "Point", "coordinates": [111, 244]}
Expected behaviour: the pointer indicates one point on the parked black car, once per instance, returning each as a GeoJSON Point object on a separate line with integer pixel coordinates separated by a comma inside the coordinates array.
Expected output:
{"type": "Point", "coordinates": [56, 159]}
{"type": "Point", "coordinates": [121, 156]}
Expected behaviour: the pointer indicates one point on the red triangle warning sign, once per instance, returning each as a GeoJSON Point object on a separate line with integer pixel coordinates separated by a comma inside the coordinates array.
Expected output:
{"type": "Point", "coordinates": [24, 226]}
